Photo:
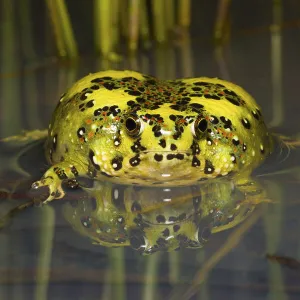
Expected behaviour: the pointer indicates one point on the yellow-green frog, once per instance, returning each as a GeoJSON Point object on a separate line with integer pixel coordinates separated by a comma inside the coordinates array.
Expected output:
{"type": "Point", "coordinates": [133, 128]}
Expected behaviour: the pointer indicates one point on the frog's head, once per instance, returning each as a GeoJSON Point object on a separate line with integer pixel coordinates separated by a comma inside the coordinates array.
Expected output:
{"type": "Point", "coordinates": [164, 145]}
{"type": "Point", "coordinates": [139, 128]}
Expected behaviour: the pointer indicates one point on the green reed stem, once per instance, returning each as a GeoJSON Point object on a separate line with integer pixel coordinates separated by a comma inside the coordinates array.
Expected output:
{"type": "Point", "coordinates": [150, 285]}
{"type": "Point", "coordinates": [144, 24]}
{"type": "Point", "coordinates": [66, 28]}
{"type": "Point", "coordinates": [186, 57]}
{"type": "Point", "coordinates": [47, 221]}
{"type": "Point", "coordinates": [222, 15]}
{"type": "Point", "coordinates": [174, 267]}
{"type": "Point", "coordinates": [124, 19]}
{"type": "Point", "coordinates": [59, 38]}
{"type": "Point", "coordinates": [170, 15]}
{"type": "Point", "coordinates": [10, 114]}
{"type": "Point", "coordinates": [158, 8]}
{"type": "Point", "coordinates": [184, 13]}
{"type": "Point", "coordinates": [160, 60]}
{"type": "Point", "coordinates": [273, 223]}
{"type": "Point", "coordinates": [29, 53]}
{"type": "Point", "coordinates": [276, 61]}
{"type": "Point", "coordinates": [116, 5]}
{"type": "Point", "coordinates": [103, 22]}
{"type": "Point", "coordinates": [133, 24]}
{"type": "Point", "coordinates": [117, 264]}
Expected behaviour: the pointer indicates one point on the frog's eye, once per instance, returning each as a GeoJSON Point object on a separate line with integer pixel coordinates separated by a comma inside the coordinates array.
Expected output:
{"type": "Point", "coordinates": [199, 127]}
{"type": "Point", "coordinates": [133, 125]}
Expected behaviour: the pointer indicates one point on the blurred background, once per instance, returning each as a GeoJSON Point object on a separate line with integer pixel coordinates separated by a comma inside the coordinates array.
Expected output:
{"type": "Point", "coordinates": [46, 45]}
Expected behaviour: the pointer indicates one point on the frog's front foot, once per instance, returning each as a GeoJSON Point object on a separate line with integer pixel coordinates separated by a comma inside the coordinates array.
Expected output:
{"type": "Point", "coordinates": [47, 189]}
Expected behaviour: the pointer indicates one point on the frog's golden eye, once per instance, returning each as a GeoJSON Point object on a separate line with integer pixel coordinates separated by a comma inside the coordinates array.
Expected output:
{"type": "Point", "coordinates": [199, 127]}
{"type": "Point", "coordinates": [133, 125]}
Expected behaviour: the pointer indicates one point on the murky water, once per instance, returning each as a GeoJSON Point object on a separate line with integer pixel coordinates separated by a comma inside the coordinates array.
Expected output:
{"type": "Point", "coordinates": [47, 252]}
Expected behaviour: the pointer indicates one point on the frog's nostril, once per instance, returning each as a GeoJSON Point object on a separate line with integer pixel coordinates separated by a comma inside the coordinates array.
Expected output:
{"type": "Point", "coordinates": [158, 157]}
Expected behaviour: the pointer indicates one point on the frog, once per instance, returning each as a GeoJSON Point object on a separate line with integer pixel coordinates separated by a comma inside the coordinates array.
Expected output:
{"type": "Point", "coordinates": [133, 128]}
{"type": "Point", "coordinates": [156, 219]}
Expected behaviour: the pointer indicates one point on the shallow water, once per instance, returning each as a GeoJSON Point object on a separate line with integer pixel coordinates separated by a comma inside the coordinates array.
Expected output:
{"type": "Point", "coordinates": [42, 257]}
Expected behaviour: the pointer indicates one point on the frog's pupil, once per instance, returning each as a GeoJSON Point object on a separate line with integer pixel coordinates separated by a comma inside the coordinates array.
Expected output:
{"type": "Point", "coordinates": [202, 125]}
{"type": "Point", "coordinates": [131, 125]}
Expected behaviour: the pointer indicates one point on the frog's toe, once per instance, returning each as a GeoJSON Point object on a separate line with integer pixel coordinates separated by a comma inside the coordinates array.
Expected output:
{"type": "Point", "coordinates": [46, 190]}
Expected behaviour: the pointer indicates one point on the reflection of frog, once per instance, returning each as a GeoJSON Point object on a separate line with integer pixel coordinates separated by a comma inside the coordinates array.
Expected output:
{"type": "Point", "coordinates": [157, 219]}
{"type": "Point", "coordinates": [134, 128]}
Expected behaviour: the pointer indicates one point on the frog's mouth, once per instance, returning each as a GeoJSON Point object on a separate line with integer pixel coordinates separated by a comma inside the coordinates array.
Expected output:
{"type": "Point", "coordinates": [166, 155]}
{"type": "Point", "coordinates": [163, 167]}
{"type": "Point", "coordinates": [165, 160]}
